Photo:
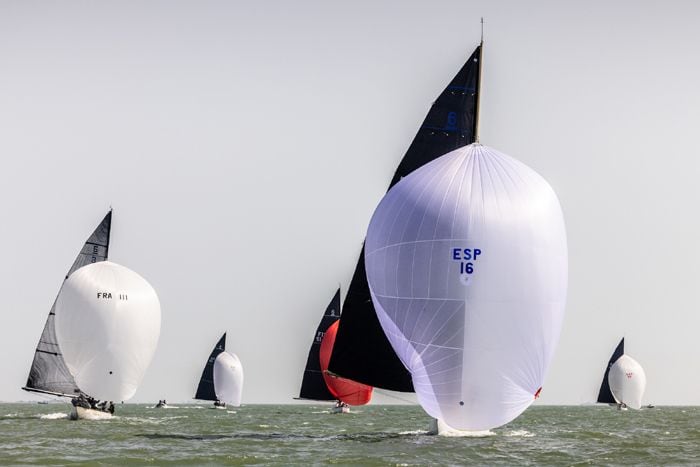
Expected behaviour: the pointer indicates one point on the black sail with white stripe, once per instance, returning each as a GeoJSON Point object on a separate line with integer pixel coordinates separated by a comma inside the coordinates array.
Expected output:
{"type": "Point", "coordinates": [313, 386]}
{"type": "Point", "coordinates": [49, 373]}
{"type": "Point", "coordinates": [361, 351]}
{"type": "Point", "coordinates": [605, 395]}
{"type": "Point", "coordinates": [205, 389]}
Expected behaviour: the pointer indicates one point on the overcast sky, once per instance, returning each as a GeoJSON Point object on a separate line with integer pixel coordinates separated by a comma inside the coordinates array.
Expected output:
{"type": "Point", "coordinates": [244, 146]}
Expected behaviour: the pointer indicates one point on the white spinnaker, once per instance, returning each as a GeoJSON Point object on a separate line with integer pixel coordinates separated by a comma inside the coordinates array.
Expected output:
{"type": "Point", "coordinates": [107, 326]}
{"type": "Point", "coordinates": [627, 382]}
{"type": "Point", "coordinates": [228, 378]}
{"type": "Point", "coordinates": [478, 334]}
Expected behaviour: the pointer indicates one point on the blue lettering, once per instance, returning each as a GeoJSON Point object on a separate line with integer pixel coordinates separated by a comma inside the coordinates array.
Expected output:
{"type": "Point", "coordinates": [451, 121]}
{"type": "Point", "coordinates": [463, 255]}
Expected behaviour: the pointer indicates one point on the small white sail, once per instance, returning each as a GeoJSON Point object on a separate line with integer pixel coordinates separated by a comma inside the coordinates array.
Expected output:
{"type": "Point", "coordinates": [107, 326]}
{"type": "Point", "coordinates": [466, 261]}
{"type": "Point", "coordinates": [627, 382]}
{"type": "Point", "coordinates": [228, 378]}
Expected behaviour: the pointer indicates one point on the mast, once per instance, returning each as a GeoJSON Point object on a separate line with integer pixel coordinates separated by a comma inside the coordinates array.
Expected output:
{"type": "Point", "coordinates": [478, 86]}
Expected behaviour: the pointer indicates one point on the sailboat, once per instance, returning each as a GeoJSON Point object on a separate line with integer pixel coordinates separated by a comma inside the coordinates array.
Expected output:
{"type": "Point", "coordinates": [317, 383]}
{"type": "Point", "coordinates": [100, 335]}
{"type": "Point", "coordinates": [473, 342]}
{"type": "Point", "coordinates": [222, 378]}
{"type": "Point", "coordinates": [624, 381]}
{"type": "Point", "coordinates": [362, 351]}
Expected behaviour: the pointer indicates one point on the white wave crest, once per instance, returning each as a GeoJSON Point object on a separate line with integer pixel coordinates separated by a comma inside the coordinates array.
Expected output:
{"type": "Point", "coordinates": [519, 433]}
{"type": "Point", "coordinates": [467, 434]}
{"type": "Point", "coordinates": [54, 416]}
{"type": "Point", "coordinates": [414, 432]}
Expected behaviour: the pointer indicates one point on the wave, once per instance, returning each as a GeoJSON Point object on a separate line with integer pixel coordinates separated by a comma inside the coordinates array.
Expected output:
{"type": "Point", "coordinates": [414, 432]}
{"type": "Point", "coordinates": [54, 416]}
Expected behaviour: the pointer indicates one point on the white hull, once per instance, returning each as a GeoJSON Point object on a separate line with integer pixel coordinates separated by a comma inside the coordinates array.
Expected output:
{"type": "Point", "coordinates": [340, 410]}
{"type": "Point", "coordinates": [80, 413]}
{"type": "Point", "coordinates": [438, 427]}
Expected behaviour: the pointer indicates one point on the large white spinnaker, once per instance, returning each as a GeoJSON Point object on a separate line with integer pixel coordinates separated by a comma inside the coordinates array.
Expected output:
{"type": "Point", "coordinates": [466, 260]}
{"type": "Point", "coordinates": [627, 382]}
{"type": "Point", "coordinates": [107, 326]}
{"type": "Point", "coordinates": [228, 378]}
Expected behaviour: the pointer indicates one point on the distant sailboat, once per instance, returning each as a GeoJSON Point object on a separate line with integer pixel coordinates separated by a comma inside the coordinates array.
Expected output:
{"type": "Point", "coordinates": [362, 351]}
{"type": "Point", "coordinates": [347, 391]}
{"type": "Point", "coordinates": [624, 381]}
{"type": "Point", "coordinates": [222, 378]}
{"type": "Point", "coordinates": [318, 383]}
{"type": "Point", "coordinates": [100, 335]}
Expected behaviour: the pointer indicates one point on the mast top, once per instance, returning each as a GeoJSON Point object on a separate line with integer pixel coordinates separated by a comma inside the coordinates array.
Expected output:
{"type": "Point", "coordinates": [478, 85]}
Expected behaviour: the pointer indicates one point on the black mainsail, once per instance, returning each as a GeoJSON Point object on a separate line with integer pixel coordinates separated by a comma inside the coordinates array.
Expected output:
{"type": "Point", "coordinates": [205, 390]}
{"type": "Point", "coordinates": [605, 395]}
{"type": "Point", "coordinates": [313, 386]}
{"type": "Point", "coordinates": [361, 351]}
{"type": "Point", "coordinates": [49, 373]}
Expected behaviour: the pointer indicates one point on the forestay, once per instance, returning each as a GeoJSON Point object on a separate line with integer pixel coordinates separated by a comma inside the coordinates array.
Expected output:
{"type": "Point", "coordinates": [627, 382]}
{"type": "Point", "coordinates": [467, 264]}
{"type": "Point", "coordinates": [107, 325]}
{"type": "Point", "coordinates": [228, 378]}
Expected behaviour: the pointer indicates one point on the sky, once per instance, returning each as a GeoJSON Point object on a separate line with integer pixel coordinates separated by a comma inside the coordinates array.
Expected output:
{"type": "Point", "coordinates": [244, 146]}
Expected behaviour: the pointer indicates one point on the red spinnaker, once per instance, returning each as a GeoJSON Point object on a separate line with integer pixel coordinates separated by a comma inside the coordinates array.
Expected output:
{"type": "Point", "coordinates": [345, 390]}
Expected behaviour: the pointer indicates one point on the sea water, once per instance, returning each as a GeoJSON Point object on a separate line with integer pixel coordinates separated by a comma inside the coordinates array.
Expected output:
{"type": "Point", "coordinates": [371, 435]}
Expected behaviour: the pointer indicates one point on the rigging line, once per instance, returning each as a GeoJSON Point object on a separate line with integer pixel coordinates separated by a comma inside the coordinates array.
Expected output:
{"type": "Point", "coordinates": [394, 396]}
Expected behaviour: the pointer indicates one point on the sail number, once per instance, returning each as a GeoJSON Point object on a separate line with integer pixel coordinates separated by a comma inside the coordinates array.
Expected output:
{"type": "Point", "coordinates": [466, 258]}
{"type": "Point", "coordinates": [108, 296]}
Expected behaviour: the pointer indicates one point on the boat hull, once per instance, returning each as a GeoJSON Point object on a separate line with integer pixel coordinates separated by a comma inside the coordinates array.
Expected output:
{"type": "Point", "coordinates": [81, 413]}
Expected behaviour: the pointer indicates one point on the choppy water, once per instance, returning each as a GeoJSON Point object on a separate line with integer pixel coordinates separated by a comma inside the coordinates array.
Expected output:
{"type": "Point", "coordinates": [374, 435]}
